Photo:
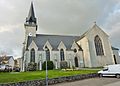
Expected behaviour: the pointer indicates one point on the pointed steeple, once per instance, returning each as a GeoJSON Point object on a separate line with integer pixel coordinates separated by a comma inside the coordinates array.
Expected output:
{"type": "Point", "coordinates": [31, 16]}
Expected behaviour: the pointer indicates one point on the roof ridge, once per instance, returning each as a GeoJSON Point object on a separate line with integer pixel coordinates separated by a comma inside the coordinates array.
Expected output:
{"type": "Point", "coordinates": [56, 35]}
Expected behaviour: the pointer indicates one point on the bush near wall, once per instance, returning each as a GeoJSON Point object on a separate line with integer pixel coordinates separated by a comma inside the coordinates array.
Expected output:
{"type": "Point", "coordinates": [50, 65]}
{"type": "Point", "coordinates": [32, 66]}
{"type": "Point", "coordinates": [63, 65]}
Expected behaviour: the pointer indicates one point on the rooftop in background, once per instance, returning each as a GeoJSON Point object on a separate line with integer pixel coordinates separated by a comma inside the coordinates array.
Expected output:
{"type": "Point", "coordinates": [113, 48]}
{"type": "Point", "coordinates": [5, 58]}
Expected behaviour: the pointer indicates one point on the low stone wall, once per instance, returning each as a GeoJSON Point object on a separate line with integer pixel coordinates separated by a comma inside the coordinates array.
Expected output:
{"type": "Point", "coordinates": [52, 81]}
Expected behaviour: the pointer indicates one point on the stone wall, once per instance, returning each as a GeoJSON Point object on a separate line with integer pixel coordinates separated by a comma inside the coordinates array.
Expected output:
{"type": "Point", "coordinates": [52, 81]}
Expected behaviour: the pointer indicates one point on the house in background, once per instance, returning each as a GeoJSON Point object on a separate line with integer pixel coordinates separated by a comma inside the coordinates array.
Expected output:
{"type": "Point", "coordinates": [7, 60]}
{"type": "Point", "coordinates": [18, 62]}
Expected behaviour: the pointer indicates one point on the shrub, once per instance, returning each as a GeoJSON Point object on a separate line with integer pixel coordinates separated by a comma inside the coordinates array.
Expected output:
{"type": "Point", "coordinates": [73, 67]}
{"type": "Point", "coordinates": [50, 65]}
{"type": "Point", "coordinates": [32, 66]}
{"type": "Point", "coordinates": [16, 69]}
{"type": "Point", "coordinates": [63, 65]}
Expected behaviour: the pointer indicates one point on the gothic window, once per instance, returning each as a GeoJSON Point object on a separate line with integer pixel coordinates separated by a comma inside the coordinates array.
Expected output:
{"type": "Point", "coordinates": [32, 55]}
{"type": "Point", "coordinates": [62, 55]}
{"type": "Point", "coordinates": [98, 46]}
{"type": "Point", "coordinates": [47, 54]}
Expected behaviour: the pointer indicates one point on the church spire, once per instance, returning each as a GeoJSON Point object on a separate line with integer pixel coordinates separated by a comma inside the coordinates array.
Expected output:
{"type": "Point", "coordinates": [31, 16]}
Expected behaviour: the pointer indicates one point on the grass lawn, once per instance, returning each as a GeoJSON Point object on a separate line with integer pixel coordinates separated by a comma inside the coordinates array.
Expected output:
{"type": "Point", "coordinates": [23, 76]}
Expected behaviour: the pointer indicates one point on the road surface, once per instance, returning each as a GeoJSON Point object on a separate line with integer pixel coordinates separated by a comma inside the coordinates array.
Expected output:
{"type": "Point", "coordinates": [92, 82]}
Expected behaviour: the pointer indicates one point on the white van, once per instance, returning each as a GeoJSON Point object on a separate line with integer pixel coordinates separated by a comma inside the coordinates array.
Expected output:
{"type": "Point", "coordinates": [110, 70]}
{"type": "Point", "coordinates": [2, 67]}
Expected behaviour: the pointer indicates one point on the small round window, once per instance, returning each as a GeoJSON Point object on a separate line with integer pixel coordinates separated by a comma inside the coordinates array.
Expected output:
{"type": "Point", "coordinates": [75, 50]}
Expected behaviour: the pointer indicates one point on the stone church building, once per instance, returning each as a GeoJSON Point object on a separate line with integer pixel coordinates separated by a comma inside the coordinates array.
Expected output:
{"type": "Point", "coordinates": [92, 49]}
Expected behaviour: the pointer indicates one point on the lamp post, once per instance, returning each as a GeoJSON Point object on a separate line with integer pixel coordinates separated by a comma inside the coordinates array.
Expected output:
{"type": "Point", "coordinates": [23, 58]}
{"type": "Point", "coordinates": [46, 67]}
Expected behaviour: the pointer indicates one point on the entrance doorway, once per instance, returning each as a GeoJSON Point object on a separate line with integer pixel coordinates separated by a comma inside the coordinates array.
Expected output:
{"type": "Point", "coordinates": [76, 62]}
{"type": "Point", "coordinates": [115, 59]}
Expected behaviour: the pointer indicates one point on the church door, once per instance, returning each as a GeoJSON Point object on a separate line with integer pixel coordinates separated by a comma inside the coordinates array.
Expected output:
{"type": "Point", "coordinates": [115, 59]}
{"type": "Point", "coordinates": [76, 62]}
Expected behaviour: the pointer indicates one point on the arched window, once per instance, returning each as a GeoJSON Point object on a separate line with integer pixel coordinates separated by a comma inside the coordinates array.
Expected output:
{"type": "Point", "coordinates": [75, 50]}
{"type": "Point", "coordinates": [47, 54]}
{"type": "Point", "coordinates": [32, 55]}
{"type": "Point", "coordinates": [98, 46]}
{"type": "Point", "coordinates": [62, 55]}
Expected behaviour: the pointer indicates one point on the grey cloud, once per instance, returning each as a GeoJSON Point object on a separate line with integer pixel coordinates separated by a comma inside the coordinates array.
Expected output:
{"type": "Point", "coordinates": [112, 25]}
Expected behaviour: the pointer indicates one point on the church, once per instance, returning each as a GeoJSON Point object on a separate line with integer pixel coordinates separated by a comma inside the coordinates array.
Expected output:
{"type": "Point", "coordinates": [92, 49]}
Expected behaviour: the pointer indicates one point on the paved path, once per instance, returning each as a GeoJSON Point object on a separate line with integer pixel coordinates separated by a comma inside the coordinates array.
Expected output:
{"type": "Point", "coordinates": [93, 82]}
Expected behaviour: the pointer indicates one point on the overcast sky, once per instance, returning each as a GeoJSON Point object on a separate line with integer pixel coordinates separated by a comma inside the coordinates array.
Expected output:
{"type": "Point", "coordinates": [68, 17]}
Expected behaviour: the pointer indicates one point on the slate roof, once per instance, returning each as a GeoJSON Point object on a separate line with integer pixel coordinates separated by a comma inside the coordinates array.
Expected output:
{"type": "Point", "coordinates": [54, 41]}
{"type": "Point", "coordinates": [113, 48]}
{"type": "Point", "coordinates": [5, 58]}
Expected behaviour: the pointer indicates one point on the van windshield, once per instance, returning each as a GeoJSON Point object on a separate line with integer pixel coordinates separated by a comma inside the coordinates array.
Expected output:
{"type": "Point", "coordinates": [105, 69]}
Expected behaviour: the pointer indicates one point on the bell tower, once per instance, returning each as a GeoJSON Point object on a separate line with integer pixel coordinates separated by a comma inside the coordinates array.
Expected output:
{"type": "Point", "coordinates": [30, 26]}
{"type": "Point", "coordinates": [30, 23]}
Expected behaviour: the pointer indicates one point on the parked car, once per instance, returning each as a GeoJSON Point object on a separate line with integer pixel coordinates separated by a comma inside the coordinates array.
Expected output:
{"type": "Point", "coordinates": [16, 69]}
{"type": "Point", "coordinates": [110, 70]}
{"type": "Point", "coordinates": [5, 68]}
{"type": "Point", "coordinates": [2, 67]}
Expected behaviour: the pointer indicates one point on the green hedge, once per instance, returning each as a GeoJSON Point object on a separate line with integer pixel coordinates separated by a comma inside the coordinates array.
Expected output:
{"type": "Point", "coordinates": [32, 66]}
{"type": "Point", "coordinates": [50, 65]}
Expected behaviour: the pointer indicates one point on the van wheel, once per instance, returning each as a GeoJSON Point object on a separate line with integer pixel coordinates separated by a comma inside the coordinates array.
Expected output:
{"type": "Point", "coordinates": [100, 75]}
{"type": "Point", "coordinates": [117, 75]}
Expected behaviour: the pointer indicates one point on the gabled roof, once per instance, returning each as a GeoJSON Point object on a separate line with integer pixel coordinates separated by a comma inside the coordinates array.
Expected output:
{"type": "Point", "coordinates": [5, 58]}
{"type": "Point", "coordinates": [94, 26]}
{"type": "Point", "coordinates": [54, 40]}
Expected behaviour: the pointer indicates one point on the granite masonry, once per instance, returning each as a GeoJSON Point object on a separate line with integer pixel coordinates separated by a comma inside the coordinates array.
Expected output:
{"type": "Point", "coordinates": [53, 80]}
